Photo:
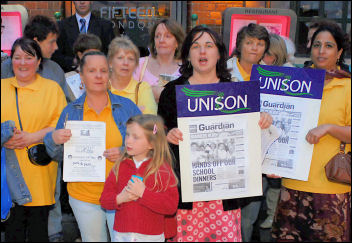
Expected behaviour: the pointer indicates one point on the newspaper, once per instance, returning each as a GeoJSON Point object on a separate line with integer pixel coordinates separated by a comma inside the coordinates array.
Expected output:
{"type": "Point", "coordinates": [220, 155]}
{"type": "Point", "coordinates": [292, 96]}
{"type": "Point", "coordinates": [219, 152]}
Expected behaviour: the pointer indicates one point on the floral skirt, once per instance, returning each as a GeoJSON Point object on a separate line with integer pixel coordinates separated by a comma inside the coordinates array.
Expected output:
{"type": "Point", "coordinates": [208, 222]}
{"type": "Point", "coordinates": [305, 216]}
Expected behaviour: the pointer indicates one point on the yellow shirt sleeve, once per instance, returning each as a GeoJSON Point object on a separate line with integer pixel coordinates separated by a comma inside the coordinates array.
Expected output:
{"type": "Point", "coordinates": [146, 99]}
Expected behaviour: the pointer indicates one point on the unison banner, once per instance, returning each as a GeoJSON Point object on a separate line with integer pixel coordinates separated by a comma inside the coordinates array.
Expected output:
{"type": "Point", "coordinates": [220, 155]}
{"type": "Point", "coordinates": [293, 97]}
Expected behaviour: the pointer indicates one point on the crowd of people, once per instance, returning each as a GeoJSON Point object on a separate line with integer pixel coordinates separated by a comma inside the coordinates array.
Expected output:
{"type": "Point", "coordinates": [135, 97]}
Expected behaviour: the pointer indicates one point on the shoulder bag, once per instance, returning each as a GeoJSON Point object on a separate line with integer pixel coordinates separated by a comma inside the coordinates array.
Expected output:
{"type": "Point", "coordinates": [37, 154]}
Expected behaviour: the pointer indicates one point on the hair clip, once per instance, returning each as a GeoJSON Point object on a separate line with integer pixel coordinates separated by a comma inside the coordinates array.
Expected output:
{"type": "Point", "coordinates": [155, 129]}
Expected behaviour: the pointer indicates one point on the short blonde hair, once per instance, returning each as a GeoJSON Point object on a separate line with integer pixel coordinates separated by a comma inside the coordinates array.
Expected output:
{"type": "Point", "coordinates": [278, 49]}
{"type": "Point", "coordinates": [123, 43]}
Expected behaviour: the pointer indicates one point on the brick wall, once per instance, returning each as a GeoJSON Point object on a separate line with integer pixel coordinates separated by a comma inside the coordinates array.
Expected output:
{"type": "Point", "coordinates": [47, 8]}
{"type": "Point", "coordinates": [210, 12]}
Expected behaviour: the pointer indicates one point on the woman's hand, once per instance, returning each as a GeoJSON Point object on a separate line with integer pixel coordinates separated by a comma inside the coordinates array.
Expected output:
{"type": "Point", "coordinates": [174, 136]}
{"type": "Point", "coordinates": [265, 120]}
{"type": "Point", "coordinates": [61, 136]}
{"type": "Point", "coordinates": [315, 134]}
{"type": "Point", "coordinates": [273, 176]}
{"type": "Point", "coordinates": [137, 187]}
{"type": "Point", "coordinates": [12, 143]}
{"type": "Point", "coordinates": [125, 196]}
{"type": "Point", "coordinates": [112, 154]}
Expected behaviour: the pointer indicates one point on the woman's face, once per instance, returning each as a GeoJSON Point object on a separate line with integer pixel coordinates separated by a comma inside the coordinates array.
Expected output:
{"type": "Point", "coordinates": [269, 58]}
{"type": "Point", "coordinates": [165, 42]}
{"type": "Point", "coordinates": [123, 63]}
{"type": "Point", "coordinates": [24, 65]}
{"type": "Point", "coordinates": [203, 54]}
{"type": "Point", "coordinates": [252, 50]}
{"type": "Point", "coordinates": [95, 74]}
{"type": "Point", "coordinates": [324, 51]}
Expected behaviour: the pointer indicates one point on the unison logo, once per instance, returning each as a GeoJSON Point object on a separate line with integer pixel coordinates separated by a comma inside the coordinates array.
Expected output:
{"type": "Point", "coordinates": [280, 81]}
{"type": "Point", "coordinates": [229, 104]}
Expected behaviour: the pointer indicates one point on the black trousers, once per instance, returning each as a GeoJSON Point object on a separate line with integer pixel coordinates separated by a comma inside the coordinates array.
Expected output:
{"type": "Point", "coordinates": [29, 223]}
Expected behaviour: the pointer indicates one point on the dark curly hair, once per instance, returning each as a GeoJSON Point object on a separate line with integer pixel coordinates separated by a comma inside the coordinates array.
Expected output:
{"type": "Point", "coordinates": [186, 68]}
{"type": "Point", "coordinates": [40, 26]}
{"type": "Point", "coordinates": [341, 38]}
{"type": "Point", "coordinates": [252, 30]}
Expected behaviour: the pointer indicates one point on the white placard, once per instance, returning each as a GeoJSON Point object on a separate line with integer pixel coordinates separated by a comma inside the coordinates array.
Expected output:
{"type": "Point", "coordinates": [83, 153]}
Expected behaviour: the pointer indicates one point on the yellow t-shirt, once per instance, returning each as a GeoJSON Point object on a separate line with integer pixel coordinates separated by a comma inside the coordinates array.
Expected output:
{"type": "Point", "coordinates": [146, 101]}
{"type": "Point", "coordinates": [246, 76]}
{"type": "Point", "coordinates": [335, 109]}
{"type": "Point", "coordinates": [90, 191]}
{"type": "Point", "coordinates": [40, 105]}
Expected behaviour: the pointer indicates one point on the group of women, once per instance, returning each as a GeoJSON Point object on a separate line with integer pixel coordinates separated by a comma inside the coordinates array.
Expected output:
{"type": "Point", "coordinates": [123, 85]}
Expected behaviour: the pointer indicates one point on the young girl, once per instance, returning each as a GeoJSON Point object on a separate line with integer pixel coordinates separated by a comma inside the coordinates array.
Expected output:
{"type": "Point", "coordinates": [142, 203]}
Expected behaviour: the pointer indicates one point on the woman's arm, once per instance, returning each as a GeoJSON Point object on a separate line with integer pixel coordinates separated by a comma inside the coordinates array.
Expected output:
{"type": "Point", "coordinates": [22, 139]}
{"type": "Point", "coordinates": [342, 133]}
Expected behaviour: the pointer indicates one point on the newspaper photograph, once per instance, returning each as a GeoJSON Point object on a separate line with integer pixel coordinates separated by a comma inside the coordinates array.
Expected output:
{"type": "Point", "coordinates": [292, 96]}
{"type": "Point", "coordinates": [220, 152]}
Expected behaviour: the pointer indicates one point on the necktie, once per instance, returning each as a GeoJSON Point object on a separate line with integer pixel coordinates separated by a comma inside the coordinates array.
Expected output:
{"type": "Point", "coordinates": [83, 26]}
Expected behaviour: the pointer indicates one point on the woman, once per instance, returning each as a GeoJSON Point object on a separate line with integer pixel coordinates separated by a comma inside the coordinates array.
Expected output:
{"type": "Point", "coordinates": [83, 44]}
{"type": "Point", "coordinates": [203, 62]}
{"type": "Point", "coordinates": [317, 209]}
{"type": "Point", "coordinates": [123, 58]}
{"type": "Point", "coordinates": [252, 42]}
{"type": "Point", "coordinates": [277, 54]}
{"type": "Point", "coordinates": [40, 102]}
{"type": "Point", "coordinates": [96, 104]}
{"type": "Point", "coordinates": [165, 43]}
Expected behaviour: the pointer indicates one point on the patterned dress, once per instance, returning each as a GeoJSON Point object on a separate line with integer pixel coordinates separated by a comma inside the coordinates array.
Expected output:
{"type": "Point", "coordinates": [208, 222]}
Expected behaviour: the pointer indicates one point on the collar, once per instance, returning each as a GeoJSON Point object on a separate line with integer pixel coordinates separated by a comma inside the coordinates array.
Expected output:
{"type": "Point", "coordinates": [114, 99]}
{"type": "Point", "coordinates": [145, 163]}
{"type": "Point", "coordinates": [87, 108]}
{"type": "Point", "coordinates": [130, 88]}
{"type": "Point", "coordinates": [244, 74]}
{"type": "Point", "coordinates": [33, 86]}
{"type": "Point", "coordinates": [87, 18]}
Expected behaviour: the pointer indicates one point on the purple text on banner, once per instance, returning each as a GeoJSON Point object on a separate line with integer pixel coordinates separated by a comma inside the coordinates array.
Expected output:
{"type": "Point", "coordinates": [217, 99]}
{"type": "Point", "coordinates": [289, 81]}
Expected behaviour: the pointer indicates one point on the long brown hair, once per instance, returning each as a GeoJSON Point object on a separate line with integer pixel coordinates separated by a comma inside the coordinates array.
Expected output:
{"type": "Point", "coordinates": [160, 153]}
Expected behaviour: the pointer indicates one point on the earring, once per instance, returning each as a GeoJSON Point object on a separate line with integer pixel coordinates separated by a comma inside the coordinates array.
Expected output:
{"type": "Point", "coordinates": [110, 69]}
{"type": "Point", "coordinates": [81, 86]}
{"type": "Point", "coordinates": [189, 64]}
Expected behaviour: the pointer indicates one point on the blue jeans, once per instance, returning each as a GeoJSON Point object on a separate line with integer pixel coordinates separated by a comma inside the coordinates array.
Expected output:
{"type": "Point", "coordinates": [249, 215]}
{"type": "Point", "coordinates": [55, 214]}
{"type": "Point", "coordinates": [92, 220]}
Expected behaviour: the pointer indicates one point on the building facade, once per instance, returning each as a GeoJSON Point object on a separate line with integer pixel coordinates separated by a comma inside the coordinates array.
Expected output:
{"type": "Point", "coordinates": [134, 18]}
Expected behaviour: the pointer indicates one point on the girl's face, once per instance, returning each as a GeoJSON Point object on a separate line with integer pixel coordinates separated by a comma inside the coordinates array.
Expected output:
{"type": "Point", "coordinates": [123, 63]}
{"type": "Point", "coordinates": [165, 42]}
{"type": "Point", "coordinates": [136, 142]}
{"type": "Point", "coordinates": [252, 50]}
{"type": "Point", "coordinates": [204, 54]}
{"type": "Point", "coordinates": [24, 65]}
{"type": "Point", "coordinates": [95, 74]}
{"type": "Point", "coordinates": [324, 51]}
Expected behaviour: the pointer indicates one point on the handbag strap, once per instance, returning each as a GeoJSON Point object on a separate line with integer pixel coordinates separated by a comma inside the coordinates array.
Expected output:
{"type": "Point", "coordinates": [136, 92]}
{"type": "Point", "coordinates": [18, 111]}
{"type": "Point", "coordinates": [342, 147]}
{"type": "Point", "coordinates": [143, 69]}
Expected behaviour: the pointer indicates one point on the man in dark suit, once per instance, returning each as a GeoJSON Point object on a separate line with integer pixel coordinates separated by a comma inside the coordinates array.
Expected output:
{"type": "Point", "coordinates": [81, 22]}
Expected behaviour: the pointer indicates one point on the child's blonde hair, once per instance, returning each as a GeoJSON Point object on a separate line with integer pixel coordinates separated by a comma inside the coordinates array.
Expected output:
{"type": "Point", "coordinates": [154, 131]}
